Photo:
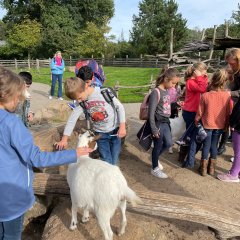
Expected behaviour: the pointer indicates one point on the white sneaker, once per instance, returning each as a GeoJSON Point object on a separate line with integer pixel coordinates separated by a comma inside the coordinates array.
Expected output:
{"type": "Point", "coordinates": [170, 150]}
{"type": "Point", "coordinates": [231, 159]}
{"type": "Point", "coordinates": [158, 173]}
{"type": "Point", "coordinates": [160, 166]}
{"type": "Point", "coordinates": [60, 98]}
{"type": "Point", "coordinates": [50, 97]}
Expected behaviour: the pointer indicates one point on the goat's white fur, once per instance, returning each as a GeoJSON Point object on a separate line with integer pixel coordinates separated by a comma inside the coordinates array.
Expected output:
{"type": "Point", "coordinates": [100, 187]}
{"type": "Point", "coordinates": [178, 127]}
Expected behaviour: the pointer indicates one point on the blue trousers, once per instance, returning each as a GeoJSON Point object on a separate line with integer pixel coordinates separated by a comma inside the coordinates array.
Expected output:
{"type": "Point", "coordinates": [109, 146]}
{"type": "Point", "coordinates": [162, 143]}
{"type": "Point", "coordinates": [55, 78]}
{"type": "Point", "coordinates": [188, 117]}
{"type": "Point", "coordinates": [11, 230]}
{"type": "Point", "coordinates": [210, 143]}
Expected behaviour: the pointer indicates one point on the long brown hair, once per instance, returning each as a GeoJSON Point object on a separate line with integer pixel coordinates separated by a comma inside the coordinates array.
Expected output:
{"type": "Point", "coordinates": [196, 66]}
{"type": "Point", "coordinates": [233, 53]}
{"type": "Point", "coordinates": [167, 76]}
{"type": "Point", "coordinates": [11, 85]}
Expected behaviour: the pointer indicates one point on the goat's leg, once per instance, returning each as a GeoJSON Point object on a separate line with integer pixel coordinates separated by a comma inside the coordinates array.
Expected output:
{"type": "Point", "coordinates": [85, 217]}
{"type": "Point", "coordinates": [74, 221]}
{"type": "Point", "coordinates": [104, 222]}
{"type": "Point", "coordinates": [123, 223]}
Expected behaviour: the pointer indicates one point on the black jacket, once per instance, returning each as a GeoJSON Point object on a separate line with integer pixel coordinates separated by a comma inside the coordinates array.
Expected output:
{"type": "Point", "coordinates": [235, 116]}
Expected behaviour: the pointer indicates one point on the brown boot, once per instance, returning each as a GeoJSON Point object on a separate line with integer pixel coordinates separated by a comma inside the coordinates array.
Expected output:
{"type": "Point", "coordinates": [211, 166]}
{"type": "Point", "coordinates": [203, 167]}
{"type": "Point", "coordinates": [183, 153]}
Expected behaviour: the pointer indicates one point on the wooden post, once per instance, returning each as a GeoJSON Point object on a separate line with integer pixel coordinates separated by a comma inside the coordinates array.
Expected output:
{"type": "Point", "coordinates": [37, 64]}
{"type": "Point", "coordinates": [152, 85]}
{"type": "Point", "coordinates": [102, 60]}
{"type": "Point", "coordinates": [29, 63]}
{"type": "Point", "coordinates": [16, 65]}
{"type": "Point", "coordinates": [171, 45]}
{"type": "Point", "coordinates": [50, 62]}
{"type": "Point", "coordinates": [202, 38]}
{"type": "Point", "coordinates": [92, 56]}
{"type": "Point", "coordinates": [126, 59]}
{"type": "Point", "coordinates": [226, 29]}
{"type": "Point", "coordinates": [116, 88]}
{"type": "Point", "coordinates": [213, 42]}
{"type": "Point", "coordinates": [70, 61]}
{"type": "Point", "coordinates": [141, 60]}
{"type": "Point", "coordinates": [113, 62]}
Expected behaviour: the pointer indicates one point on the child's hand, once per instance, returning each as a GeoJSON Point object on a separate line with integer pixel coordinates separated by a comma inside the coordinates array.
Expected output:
{"type": "Point", "coordinates": [122, 130]}
{"type": "Point", "coordinates": [30, 116]}
{"type": "Point", "coordinates": [83, 151]}
{"type": "Point", "coordinates": [61, 145]}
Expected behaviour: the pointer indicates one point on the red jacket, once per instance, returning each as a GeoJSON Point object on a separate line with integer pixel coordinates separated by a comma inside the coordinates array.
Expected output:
{"type": "Point", "coordinates": [194, 88]}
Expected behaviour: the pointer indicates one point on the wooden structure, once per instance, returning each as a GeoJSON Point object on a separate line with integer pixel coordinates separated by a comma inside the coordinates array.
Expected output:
{"type": "Point", "coordinates": [226, 222]}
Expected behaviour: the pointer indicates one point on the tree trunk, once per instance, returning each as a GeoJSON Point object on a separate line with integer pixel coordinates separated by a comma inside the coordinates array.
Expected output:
{"type": "Point", "coordinates": [226, 221]}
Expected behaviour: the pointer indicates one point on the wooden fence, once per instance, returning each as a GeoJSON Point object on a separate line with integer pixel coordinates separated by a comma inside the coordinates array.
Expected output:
{"type": "Point", "coordinates": [118, 62]}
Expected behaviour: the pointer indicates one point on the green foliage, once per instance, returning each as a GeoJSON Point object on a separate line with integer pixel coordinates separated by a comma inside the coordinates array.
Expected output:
{"type": "Point", "coordinates": [151, 29]}
{"type": "Point", "coordinates": [91, 40]}
{"type": "Point", "coordinates": [59, 30]}
{"type": "Point", "coordinates": [25, 36]}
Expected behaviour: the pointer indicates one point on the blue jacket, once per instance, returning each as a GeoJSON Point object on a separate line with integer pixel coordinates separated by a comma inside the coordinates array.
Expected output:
{"type": "Point", "coordinates": [57, 69]}
{"type": "Point", "coordinates": [18, 155]}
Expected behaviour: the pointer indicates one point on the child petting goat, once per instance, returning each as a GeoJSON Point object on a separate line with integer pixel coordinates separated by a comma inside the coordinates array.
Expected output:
{"type": "Point", "coordinates": [100, 187]}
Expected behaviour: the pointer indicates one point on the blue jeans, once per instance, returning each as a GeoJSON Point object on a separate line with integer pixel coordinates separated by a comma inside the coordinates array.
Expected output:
{"type": "Point", "coordinates": [11, 230]}
{"type": "Point", "coordinates": [210, 143]}
{"type": "Point", "coordinates": [162, 143]}
{"type": "Point", "coordinates": [55, 78]}
{"type": "Point", "coordinates": [188, 117]}
{"type": "Point", "coordinates": [109, 146]}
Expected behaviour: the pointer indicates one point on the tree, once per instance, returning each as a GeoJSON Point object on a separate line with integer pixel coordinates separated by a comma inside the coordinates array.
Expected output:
{"type": "Point", "coordinates": [151, 29]}
{"type": "Point", "coordinates": [59, 30]}
{"type": "Point", "coordinates": [91, 40]}
{"type": "Point", "coordinates": [25, 36]}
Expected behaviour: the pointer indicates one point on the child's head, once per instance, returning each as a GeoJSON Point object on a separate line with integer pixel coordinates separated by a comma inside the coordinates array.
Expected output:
{"type": "Point", "coordinates": [86, 74]}
{"type": "Point", "coordinates": [75, 89]}
{"type": "Point", "coordinates": [169, 78]}
{"type": "Point", "coordinates": [11, 89]}
{"type": "Point", "coordinates": [232, 57]}
{"type": "Point", "coordinates": [27, 77]}
{"type": "Point", "coordinates": [58, 54]}
{"type": "Point", "coordinates": [219, 79]}
{"type": "Point", "coordinates": [190, 72]}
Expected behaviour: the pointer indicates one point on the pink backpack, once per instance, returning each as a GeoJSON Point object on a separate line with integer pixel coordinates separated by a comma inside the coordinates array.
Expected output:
{"type": "Point", "coordinates": [143, 114]}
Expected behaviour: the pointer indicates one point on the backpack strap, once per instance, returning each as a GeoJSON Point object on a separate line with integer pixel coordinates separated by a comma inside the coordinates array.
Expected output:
{"type": "Point", "coordinates": [158, 92]}
{"type": "Point", "coordinates": [87, 115]}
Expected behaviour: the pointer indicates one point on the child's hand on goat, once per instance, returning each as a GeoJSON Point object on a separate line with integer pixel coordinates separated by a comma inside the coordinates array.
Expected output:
{"type": "Point", "coordinates": [122, 130]}
{"type": "Point", "coordinates": [83, 151]}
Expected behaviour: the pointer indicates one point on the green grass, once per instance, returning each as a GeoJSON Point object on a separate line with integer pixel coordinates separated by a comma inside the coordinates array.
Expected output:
{"type": "Point", "coordinates": [124, 75]}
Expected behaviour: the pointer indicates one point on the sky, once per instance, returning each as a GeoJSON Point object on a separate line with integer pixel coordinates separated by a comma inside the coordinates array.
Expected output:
{"type": "Point", "coordinates": [201, 14]}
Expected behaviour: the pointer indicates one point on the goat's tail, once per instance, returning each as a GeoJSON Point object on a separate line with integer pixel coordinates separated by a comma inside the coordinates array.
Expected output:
{"type": "Point", "coordinates": [132, 197]}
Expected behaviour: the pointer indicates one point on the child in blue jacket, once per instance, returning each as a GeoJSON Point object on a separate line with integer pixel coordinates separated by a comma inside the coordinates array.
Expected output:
{"type": "Point", "coordinates": [18, 155]}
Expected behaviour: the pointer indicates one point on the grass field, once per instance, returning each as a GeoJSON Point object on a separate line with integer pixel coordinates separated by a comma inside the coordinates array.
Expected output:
{"type": "Point", "coordinates": [125, 76]}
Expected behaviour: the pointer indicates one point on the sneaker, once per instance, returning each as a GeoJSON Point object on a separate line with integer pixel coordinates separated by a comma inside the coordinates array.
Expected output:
{"type": "Point", "coordinates": [60, 98]}
{"type": "Point", "coordinates": [160, 166]}
{"type": "Point", "coordinates": [231, 159]}
{"type": "Point", "coordinates": [221, 150]}
{"type": "Point", "coordinates": [50, 97]}
{"type": "Point", "coordinates": [227, 178]}
{"type": "Point", "coordinates": [71, 105]}
{"type": "Point", "coordinates": [170, 150]}
{"type": "Point", "coordinates": [158, 173]}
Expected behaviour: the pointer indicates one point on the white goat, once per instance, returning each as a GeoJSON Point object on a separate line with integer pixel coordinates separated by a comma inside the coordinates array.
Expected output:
{"type": "Point", "coordinates": [100, 187]}
{"type": "Point", "coordinates": [178, 127]}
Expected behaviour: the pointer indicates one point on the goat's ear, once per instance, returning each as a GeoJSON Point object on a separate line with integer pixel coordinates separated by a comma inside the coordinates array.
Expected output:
{"type": "Point", "coordinates": [97, 137]}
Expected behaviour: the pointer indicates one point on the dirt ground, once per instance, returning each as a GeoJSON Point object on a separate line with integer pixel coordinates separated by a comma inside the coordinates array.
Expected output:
{"type": "Point", "coordinates": [135, 165]}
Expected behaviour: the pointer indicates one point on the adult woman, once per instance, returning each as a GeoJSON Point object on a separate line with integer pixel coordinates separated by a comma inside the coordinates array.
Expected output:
{"type": "Point", "coordinates": [232, 57]}
{"type": "Point", "coordinates": [57, 69]}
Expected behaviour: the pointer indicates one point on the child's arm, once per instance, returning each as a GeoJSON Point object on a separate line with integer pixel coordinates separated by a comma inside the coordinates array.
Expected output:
{"type": "Point", "coordinates": [122, 118]}
{"type": "Point", "coordinates": [69, 128]}
{"type": "Point", "coordinates": [200, 111]}
{"type": "Point", "coordinates": [53, 65]}
{"type": "Point", "coordinates": [199, 85]}
{"type": "Point", "coordinates": [62, 66]}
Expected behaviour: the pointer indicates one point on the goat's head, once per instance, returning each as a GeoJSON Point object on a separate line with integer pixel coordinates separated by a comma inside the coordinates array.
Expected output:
{"type": "Point", "coordinates": [88, 139]}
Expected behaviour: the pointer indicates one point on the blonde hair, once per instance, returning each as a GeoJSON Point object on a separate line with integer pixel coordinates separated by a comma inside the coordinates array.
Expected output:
{"type": "Point", "coordinates": [167, 75]}
{"type": "Point", "coordinates": [219, 79]}
{"type": "Point", "coordinates": [11, 85]}
{"type": "Point", "coordinates": [233, 53]}
{"type": "Point", "coordinates": [196, 66]}
{"type": "Point", "coordinates": [73, 86]}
